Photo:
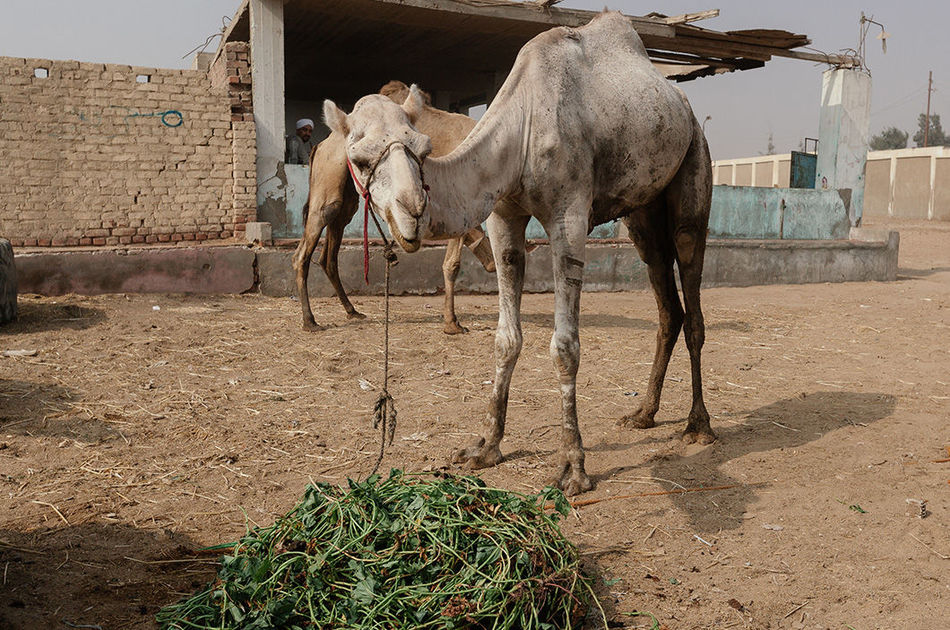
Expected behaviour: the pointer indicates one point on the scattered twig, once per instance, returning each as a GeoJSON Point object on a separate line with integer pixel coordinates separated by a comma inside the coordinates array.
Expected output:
{"type": "Point", "coordinates": [80, 625]}
{"type": "Point", "coordinates": [577, 504]}
{"type": "Point", "coordinates": [58, 513]}
{"type": "Point", "coordinates": [182, 561]}
{"type": "Point", "coordinates": [7, 545]}
{"type": "Point", "coordinates": [930, 549]}
{"type": "Point", "coordinates": [795, 610]}
{"type": "Point", "coordinates": [779, 424]}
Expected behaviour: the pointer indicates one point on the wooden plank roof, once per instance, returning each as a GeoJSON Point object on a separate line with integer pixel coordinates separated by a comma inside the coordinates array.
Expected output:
{"type": "Point", "coordinates": [453, 44]}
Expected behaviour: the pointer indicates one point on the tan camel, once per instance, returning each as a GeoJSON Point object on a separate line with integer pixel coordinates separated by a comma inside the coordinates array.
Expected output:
{"type": "Point", "coordinates": [333, 202]}
{"type": "Point", "coordinates": [583, 131]}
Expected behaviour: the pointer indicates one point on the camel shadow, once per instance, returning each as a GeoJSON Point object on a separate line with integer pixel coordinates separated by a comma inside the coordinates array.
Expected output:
{"type": "Point", "coordinates": [782, 425]}
{"type": "Point", "coordinates": [95, 575]}
{"type": "Point", "coordinates": [546, 320]}
{"type": "Point", "coordinates": [44, 409]}
{"type": "Point", "coordinates": [43, 317]}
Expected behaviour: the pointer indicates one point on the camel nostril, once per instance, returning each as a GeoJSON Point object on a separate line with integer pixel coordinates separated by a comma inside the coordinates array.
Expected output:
{"type": "Point", "coordinates": [411, 203]}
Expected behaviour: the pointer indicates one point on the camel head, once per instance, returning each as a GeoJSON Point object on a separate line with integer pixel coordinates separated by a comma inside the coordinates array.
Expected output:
{"type": "Point", "coordinates": [386, 154]}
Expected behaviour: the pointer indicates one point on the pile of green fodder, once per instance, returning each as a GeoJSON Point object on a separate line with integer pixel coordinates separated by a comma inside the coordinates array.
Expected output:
{"type": "Point", "coordinates": [409, 551]}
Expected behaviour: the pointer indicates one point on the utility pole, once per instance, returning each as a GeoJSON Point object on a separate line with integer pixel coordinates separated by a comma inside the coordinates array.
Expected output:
{"type": "Point", "coordinates": [930, 88]}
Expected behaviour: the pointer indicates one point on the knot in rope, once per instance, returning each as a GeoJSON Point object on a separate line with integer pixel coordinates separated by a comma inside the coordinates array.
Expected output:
{"type": "Point", "coordinates": [389, 253]}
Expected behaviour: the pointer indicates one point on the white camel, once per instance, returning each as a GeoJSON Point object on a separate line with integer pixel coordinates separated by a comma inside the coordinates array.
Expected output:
{"type": "Point", "coordinates": [583, 131]}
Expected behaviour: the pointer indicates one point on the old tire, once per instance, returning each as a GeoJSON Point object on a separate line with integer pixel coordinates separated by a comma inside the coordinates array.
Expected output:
{"type": "Point", "coordinates": [8, 308]}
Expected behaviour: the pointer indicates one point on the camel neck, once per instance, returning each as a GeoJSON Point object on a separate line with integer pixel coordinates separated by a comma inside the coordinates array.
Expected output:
{"type": "Point", "coordinates": [466, 184]}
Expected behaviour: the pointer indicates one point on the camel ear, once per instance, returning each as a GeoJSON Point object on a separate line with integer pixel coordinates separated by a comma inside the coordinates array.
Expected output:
{"type": "Point", "coordinates": [335, 118]}
{"type": "Point", "coordinates": [414, 103]}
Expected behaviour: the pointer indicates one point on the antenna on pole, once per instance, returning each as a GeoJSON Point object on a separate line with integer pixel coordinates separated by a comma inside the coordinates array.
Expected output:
{"type": "Point", "coordinates": [865, 26]}
{"type": "Point", "coordinates": [930, 89]}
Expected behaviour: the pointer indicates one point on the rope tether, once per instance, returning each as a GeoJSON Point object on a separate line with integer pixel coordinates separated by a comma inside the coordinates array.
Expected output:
{"type": "Point", "coordinates": [384, 413]}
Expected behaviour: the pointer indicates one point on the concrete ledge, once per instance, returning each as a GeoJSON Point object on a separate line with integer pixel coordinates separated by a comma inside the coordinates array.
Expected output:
{"type": "Point", "coordinates": [159, 270]}
{"type": "Point", "coordinates": [609, 267]}
{"type": "Point", "coordinates": [736, 263]}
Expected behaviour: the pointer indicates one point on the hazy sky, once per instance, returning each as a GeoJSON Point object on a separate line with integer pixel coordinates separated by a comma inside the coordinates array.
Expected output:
{"type": "Point", "coordinates": [781, 98]}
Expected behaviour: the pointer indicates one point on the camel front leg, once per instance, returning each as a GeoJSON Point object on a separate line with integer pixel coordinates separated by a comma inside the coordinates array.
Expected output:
{"type": "Point", "coordinates": [330, 261]}
{"type": "Point", "coordinates": [450, 271]}
{"type": "Point", "coordinates": [567, 250]}
{"type": "Point", "coordinates": [508, 246]}
{"type": "Point", "coordinates": [316, 221]}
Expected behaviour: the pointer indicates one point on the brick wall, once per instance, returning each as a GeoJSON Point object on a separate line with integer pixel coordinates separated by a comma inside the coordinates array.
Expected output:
{"type": "Point", "coordinates": [94, 154]}
{"type": "Point", "coordinates": [231, 72]}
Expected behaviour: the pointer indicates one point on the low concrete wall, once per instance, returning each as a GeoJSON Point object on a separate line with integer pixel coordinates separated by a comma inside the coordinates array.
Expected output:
{"type": "Point", "coordinates": [138, 270]}
{"type": "Point", "coordinates": [610, 266]}
{"type": "Point", "coordinates": [869, 256]}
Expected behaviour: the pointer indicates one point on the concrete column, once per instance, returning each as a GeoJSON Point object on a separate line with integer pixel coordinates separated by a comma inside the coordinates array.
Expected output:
{"type": "Point", "coordinates": [843, 135]}
{"type": "Point", "coordinates": [267, 78]}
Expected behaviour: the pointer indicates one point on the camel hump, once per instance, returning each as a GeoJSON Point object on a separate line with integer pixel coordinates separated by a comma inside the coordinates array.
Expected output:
{"type": "Point", "coordinates": [397, 92]}
{"type": "Point", "coordinates": [607, 31]}
{"type": "Point", "coordinates": [612, 29]}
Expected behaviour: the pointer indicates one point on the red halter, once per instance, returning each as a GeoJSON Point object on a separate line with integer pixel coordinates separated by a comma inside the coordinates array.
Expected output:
{"type": "Point", "coordinates": [364, 193]}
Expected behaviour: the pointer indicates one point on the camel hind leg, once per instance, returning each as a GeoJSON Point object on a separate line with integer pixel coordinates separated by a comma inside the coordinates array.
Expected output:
{"type": "Point", "coordinates": [688, 197]}
{"type": "Point", "coordinates": [650, 231]}
{"type": "Point", "coordinates": [450, 272]}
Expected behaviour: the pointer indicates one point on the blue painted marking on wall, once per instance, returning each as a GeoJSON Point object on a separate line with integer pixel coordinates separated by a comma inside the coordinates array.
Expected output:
{"type": "Point", "coordinates": [171, 118]}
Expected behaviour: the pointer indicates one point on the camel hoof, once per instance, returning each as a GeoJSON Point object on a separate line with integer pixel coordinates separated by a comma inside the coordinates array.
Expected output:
{"type": "Point", "coordinates": [574, 483]}
{"type": "Point", "coordinates": [490, 267]}
{"type": "Point", "coordinates": [355, 315]}
{"type": "Point", "coordinates": [699, 436]}
{"type": "Point", "coordinates": [637, 420]}
{"type": "Point", "coordinates": [477, 456]}
{"type": "Point", "coordinates": [313, 326]}
{"type": "Point", "coordinates": [454, 328]}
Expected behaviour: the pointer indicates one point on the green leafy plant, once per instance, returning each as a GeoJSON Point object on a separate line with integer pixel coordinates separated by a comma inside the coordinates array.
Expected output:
{"type": "Point", "coordinates": [405, 552]}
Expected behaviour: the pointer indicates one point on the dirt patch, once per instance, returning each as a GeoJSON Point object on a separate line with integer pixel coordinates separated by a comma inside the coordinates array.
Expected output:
{"type": "Point", "coordinates": [138, 434]}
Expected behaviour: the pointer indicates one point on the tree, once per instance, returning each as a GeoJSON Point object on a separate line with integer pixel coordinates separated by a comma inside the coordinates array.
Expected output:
{"type": "Point", "coordinates": [770, 149]}
{"type": "Point", "coordinates": [937, 137]}
{"type": "Point", "coordinates": [890, 138]}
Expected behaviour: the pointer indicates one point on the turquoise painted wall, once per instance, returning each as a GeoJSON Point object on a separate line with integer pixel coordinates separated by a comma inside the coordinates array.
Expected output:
{"type": "Point", "coordinates": [736, 212]}
{"type": "Point", "coordinates": [777, 213]}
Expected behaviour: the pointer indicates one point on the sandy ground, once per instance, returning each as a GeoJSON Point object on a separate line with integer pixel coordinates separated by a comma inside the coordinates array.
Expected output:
{"type": "Point", "coordinates": [147, 427]}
